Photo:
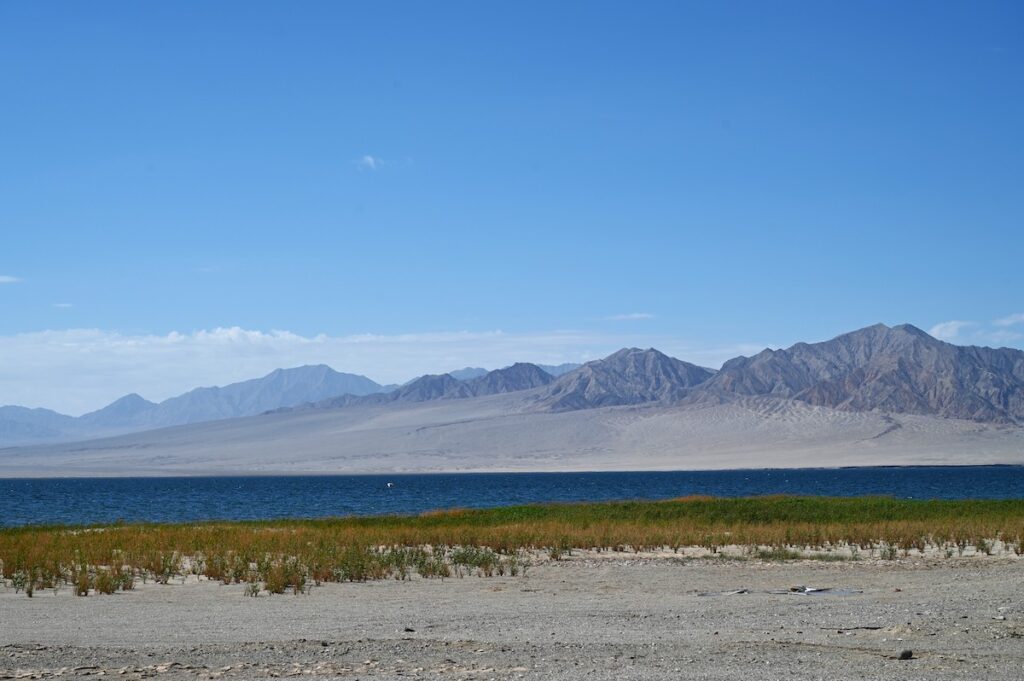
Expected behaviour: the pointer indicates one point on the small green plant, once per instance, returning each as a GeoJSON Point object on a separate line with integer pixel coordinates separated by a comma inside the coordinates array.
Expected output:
{"type": "Point", "coordinates": [778, 554]}
{"type": "Point", "coordinates": [18, 580]}
{"type": "Point", "coordinates": [483, 559]}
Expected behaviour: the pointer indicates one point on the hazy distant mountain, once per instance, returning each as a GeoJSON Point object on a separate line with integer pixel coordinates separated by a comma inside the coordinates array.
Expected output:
{"type": "Point", "coordinates": [21, 424]}
{"type": "Point", "coordinates": [557, 370]}
{"type": "Point", "coordinates": [130, 410]}
{"type": "Point", "coordinates": [629, 376]}
{"type": "Point", "coordinates": [468, 373]}
{"type": "Point", "coordinates": [899, 369]}
{"type": "Point", "coordinates": [280, 388]}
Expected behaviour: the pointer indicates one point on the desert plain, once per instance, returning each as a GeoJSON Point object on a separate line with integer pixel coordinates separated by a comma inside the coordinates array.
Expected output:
{"type": "Point", "coordinates": [652, 615]}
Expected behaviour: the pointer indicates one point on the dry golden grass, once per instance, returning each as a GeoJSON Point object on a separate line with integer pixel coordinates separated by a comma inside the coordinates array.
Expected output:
{"type": "Point", "coordinates": [290, 555]}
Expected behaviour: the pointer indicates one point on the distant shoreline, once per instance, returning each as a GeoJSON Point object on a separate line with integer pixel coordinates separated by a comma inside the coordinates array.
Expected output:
{"type": "Point", "coordinates": [200, 475]}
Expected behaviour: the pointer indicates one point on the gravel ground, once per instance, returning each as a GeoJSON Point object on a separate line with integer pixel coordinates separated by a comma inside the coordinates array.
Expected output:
{"type": "Point", "coordinates": [591, 616]}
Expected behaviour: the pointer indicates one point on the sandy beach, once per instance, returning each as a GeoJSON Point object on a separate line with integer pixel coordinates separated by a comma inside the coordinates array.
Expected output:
{"type": "Point", "coordinates": [594, 616]}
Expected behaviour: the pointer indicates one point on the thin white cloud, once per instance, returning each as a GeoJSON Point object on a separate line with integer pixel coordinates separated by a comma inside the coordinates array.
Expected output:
{"type": "Point", "coordinates": [63, 305]}
{"type": "Point", "coordinates": [8, 279]}
{"type": "Point", "coordinates": [949, 330]}
{"type": "Point", "coordinates": [1010, 320]}
{"type": "Point", "coordinates": [1003, 337]}
{"type": "Point", "coordinates": [368, 162]}
{"type": "Point", "coordinates": [999, 332]}
{"type": "Point", "coordinates": [630, 316]}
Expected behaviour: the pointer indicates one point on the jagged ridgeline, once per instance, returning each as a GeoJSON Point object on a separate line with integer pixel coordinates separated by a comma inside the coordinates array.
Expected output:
{"type": "Point", "coordinates": [875, 370]}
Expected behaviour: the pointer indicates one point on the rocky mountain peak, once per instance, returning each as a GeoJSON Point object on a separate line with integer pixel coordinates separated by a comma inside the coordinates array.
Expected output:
{"type": "Point", "coordinates": [628, 376]}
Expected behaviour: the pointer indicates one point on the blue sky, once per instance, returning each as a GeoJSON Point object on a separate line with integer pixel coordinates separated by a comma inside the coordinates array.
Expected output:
{"type": "Point", "coordinates": [708, 178]}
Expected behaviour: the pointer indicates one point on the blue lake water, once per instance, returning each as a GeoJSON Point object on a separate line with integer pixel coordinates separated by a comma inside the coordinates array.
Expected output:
{"type": "Point", "coordinates": [101, 500]}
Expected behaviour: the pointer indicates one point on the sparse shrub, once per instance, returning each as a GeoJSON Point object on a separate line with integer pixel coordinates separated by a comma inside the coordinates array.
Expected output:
{"type": "Point", "coordinates": [105, 582]}
{"type": "Point", "coordinates": [82, 582]}
{"type": "Point", "coordinates": [778, 554]}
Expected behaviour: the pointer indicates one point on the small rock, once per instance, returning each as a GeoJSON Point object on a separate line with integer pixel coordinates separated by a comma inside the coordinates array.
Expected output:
{"type": "Point", "coordinates": [410, 630]}
{"type": "Point", "coordinates": [906, 654]}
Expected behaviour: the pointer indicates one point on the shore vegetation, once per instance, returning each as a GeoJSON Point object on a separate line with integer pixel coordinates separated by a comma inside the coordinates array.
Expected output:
{"type": "Point", "coordinates": [279, 556]}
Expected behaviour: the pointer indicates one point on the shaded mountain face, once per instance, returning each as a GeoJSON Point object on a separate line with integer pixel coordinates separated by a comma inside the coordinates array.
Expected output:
{"type": "Point", "coordinates": [519, 376]}
{"type": "Point", "coordinates": [897, 369]}
{"type": "Point", "coordinates": [469, 373]}
{"type": "Point", "coordinates": [430, 387]}
{"type": "Point", "coordinates": [629, 376]}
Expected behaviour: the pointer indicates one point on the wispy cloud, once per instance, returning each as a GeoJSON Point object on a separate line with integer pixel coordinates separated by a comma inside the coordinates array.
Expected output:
{"type": "Point", "coordinates": [8, 279]}
{"type": "Point", "coordinates": [997, 332]}
{"type": "Point", "coordinates": [1010, 320]}
{"type": "Point", "coordinates": [949, 330]}
{"type": "Point", "coordinates": [368, 162]}
{"type": "Point", "coordinates": [630, 316]}
{"type": "Point", "coordinates": [63, 305]}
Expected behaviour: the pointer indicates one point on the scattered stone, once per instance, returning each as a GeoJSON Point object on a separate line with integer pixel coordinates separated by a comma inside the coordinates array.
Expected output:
{"type": "Point", "coordinates": [906, 654]}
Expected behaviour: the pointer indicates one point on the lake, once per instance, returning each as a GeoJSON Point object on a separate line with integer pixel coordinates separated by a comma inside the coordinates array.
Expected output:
{"type": "Point", "coordinates": [103, 500]}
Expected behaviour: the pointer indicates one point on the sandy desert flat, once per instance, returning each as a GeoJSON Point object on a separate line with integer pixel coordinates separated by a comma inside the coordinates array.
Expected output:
{"type": "Point", "coordinates": [591, 616]}
{"type": "Point", "coordinates": [500, 433]}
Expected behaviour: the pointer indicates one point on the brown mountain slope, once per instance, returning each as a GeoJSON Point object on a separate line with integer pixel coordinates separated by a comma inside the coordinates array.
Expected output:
{"type": "Point", "coordinates": [629, 376]}
{"type": "Point", "coordinates": [897, 369]}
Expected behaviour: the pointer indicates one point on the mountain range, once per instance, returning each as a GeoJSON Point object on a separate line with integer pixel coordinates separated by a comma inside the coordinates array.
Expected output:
{"type": "Point", "coordinates": [875, 370]}
{"type": "Point", "coordinates": [898, 369]}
